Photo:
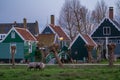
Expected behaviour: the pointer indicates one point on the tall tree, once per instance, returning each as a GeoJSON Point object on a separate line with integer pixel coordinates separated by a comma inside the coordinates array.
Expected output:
{"type": "Point", "coordinates": [118, 10]}
{"type": "Point", "coordinates": [99, 12]}
{"type": "Point", "coordinates": [66, 19]}
{"type": "Point", "coordinates": [74, 18]}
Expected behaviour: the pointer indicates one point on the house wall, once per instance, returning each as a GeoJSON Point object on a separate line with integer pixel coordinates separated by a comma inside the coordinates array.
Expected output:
{"type": "Point", "coordinates": [113, 37]}
{"type": "Point", "coordinates": [27, 54]}
{"type": "Point", "coordinates": [78, 50]}
{"type": "Point", "coordinates": [47, 30]}
{"type": "Point", "coordinates": [106, 23]}
{"type": "Point", "coordinates": [5, 53]}
{"type": "Point", "coordinates": [110, 40]}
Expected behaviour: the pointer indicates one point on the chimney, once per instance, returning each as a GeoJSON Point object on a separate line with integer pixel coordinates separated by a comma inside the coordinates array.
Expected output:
{"type": "Point", "coordinates": [15, 23]}
{"type": "Point", "coordinates": [36, 28]}
{"type": "Point", "coordinates": [111, 13]}
{"type": "Point", "coordinates": [52, 19]}
{"type": "Point", "coordinates": [25, 23]}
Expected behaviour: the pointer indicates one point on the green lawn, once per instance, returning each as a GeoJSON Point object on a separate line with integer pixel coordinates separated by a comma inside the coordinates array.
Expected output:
{"type": "Point", "coordinates": [67, 73]}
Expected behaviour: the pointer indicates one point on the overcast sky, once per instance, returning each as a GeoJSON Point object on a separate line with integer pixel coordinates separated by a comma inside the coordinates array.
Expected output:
{"type": "Point", "coordinates": [40, 10]}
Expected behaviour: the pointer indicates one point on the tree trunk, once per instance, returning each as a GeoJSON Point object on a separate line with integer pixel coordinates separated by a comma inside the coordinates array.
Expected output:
{"type": "Point", "coordinates": [13, 61]}
{"type": "Point", "coordinates": [54, 48]}
{"type": "Point", "coordinates": [58, 59]}
{"type": "Point", "coordinates": [13, 48]}
{"type": "Point", "coordinates": [89, 49]}
{"type": "Point", "coordinates": [111, 48]}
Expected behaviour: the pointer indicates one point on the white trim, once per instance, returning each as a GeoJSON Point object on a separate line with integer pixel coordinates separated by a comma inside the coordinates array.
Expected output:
{"type": "Point", "coordinates": [13, 28]}
{"type": "Point", "coordinates": [114, 24]}
{"type": "Point", "coordinates": [105, 30]}
{"type": "Point", "coordinates": [43, 29]}
{"type": "Point", "coordinates": [97, 26]}
{"type": "Point", "coordinates": [31, 34]}
{"type": "Point", "coordinates": [19, 34]}
{"type": "Point", "coordinates": [93, 41]}
{"type": "Point", "coordinates": [49, 27]}
{"type": "Point", "coordinates": [54, 32]}
{"type": "Point", "coordinates": [52, 29]}
{"type": "Point", "coordinates": [55, 38]}
{"type": "Point", "coordinates": [7, 34]}
{"type": "Point", "coordinates": [65, 33]}
{"type": "Point", "coordinates": [102, 22]}
{"type": "Point", "coordinates": [76, 39]}
{"type": "Point", "coordinates": [27, 31]}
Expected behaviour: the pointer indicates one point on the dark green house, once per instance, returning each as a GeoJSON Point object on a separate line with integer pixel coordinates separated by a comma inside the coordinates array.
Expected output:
{"type": "Point", "coordinates": [24, 42]}
{"type": "Point", "coordinates": [108, 31]}
{"type": "Point", "coordinates": [77, 47]}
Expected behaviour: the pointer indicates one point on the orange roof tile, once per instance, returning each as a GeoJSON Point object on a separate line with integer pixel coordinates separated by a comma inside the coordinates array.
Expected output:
{"type": "Point", "coordinates": [89, 40]}
{"type": "Point", "coordinates": [59, 31]}
{"type": "Point", "coordinates": [25, 34]}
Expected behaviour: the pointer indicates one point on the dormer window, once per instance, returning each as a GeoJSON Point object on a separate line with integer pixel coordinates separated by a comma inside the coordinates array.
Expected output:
{"type": "Point", "coordinates": [13, 34]}
{"type": "Point", "coordinates": [106, 30]}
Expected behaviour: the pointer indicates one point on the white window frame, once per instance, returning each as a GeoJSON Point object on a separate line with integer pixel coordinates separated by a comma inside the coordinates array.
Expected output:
{"type": "Point", "coordinates": [13, 34]}
{"type": "Point", "coordinates": [30, 47]}
{"type": "Point", "coordinates": [105, 31]}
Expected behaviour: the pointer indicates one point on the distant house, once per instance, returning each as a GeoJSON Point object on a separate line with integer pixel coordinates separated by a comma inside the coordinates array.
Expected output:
{"type": "Point", "coordinates": [78, 49]}
{"type": "Point", "coordinates": [46, 40]}
{"type": "Point", "coordinates": [5, 27]}
{"type": "Point", "coordinates": [60, 36]}
{"type": "Point", "coordinates": [24, 41]}
{"type": "Point", "coordinates": [108, 31]}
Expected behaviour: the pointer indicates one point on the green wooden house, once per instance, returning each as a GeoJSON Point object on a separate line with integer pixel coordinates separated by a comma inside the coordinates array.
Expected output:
{"type": "Point", "coordinates": [24, 42]}
{"type": "Point", "coordinates": [108, 31]}
{"type": "Point", "coordinates": [78, 49]}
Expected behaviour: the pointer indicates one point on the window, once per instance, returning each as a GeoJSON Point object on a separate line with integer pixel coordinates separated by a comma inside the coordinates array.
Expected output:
{"type": "Point", "coordinates": [13, 34]}
{"type": "Point", "coordinates": [30, 47]}
{"type": "Point", "coordinates": [1, 37]}
{"type": "Point", "coordinates": [118, 42]}
{"type": "Point", "coordinates": [106, 30]}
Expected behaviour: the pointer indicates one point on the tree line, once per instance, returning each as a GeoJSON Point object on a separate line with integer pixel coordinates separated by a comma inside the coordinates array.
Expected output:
{"type": "Point", "coordinates": [76, 18]}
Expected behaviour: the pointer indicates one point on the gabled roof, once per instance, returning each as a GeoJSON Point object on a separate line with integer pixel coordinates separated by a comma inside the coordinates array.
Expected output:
{"type": "Point", "coordinates": [59, 31]}
{"type": "Point", "coordinates": [87, 39]}
{"type": "Point", "coordinates": [25, 34]}
{"type": "Point", "coordinates": [32, 27]}
{"type": "Point", "coordinates": [115, 23]}
{"type": "Point", "coordinates": [46, 39]}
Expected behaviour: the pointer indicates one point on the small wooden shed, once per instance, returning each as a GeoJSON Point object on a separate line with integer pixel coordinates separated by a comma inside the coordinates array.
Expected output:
{"type": "Point", "coordinates": [77, 47]}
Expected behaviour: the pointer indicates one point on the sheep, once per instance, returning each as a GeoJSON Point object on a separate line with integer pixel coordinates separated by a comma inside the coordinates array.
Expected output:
{"type": "Point", "coordinates": [36, 65]}
{"type": "Point", "coordinates": [31, 65]}
{"type": "Point", "coordinates": [40, 66]}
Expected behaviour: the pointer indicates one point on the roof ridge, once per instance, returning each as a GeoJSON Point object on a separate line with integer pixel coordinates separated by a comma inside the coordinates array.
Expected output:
{"type": "Point", "coordinates": [19, 28]}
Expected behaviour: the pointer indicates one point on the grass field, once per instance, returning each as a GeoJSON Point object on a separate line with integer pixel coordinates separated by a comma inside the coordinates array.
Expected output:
{"type": "Point", "coordinates": [54, 72]}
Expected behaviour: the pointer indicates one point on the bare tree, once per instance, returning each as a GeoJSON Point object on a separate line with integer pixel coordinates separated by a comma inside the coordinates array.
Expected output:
{"type": "Point", "coordinates": [118, 10]}
{"type": "Point", "coordinates": [74, 18]}
{"type": "Point", "coordinates": [99, 12]}
{"type": "Point", "coordinates": [66, 19]}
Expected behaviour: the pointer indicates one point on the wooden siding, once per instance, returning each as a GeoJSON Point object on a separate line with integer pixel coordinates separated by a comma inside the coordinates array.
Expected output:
{"type": "Point", "coordinates": [78, 49]}
{"type": "Point", "coordinates": [106, 23]}
{"type": "Point", "coordinates": [17, 38]}
{"type": "Point", "coordinates": [5, 51]}
{"type": "Point", "coordinates": [28, 55]}
{"type": "Point", "coordinates": [47, 30]}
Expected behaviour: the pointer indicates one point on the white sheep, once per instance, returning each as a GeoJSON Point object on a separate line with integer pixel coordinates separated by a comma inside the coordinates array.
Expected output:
{"type": "Point", "coordinates": [36, 65]}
